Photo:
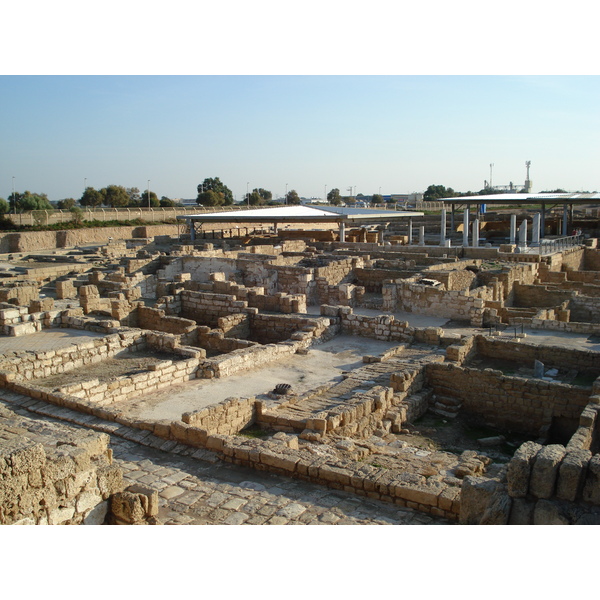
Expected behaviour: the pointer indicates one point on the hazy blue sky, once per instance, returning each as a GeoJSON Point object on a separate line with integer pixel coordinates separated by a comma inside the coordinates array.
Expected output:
{"type": "Point", "coordinates": [394, 133]}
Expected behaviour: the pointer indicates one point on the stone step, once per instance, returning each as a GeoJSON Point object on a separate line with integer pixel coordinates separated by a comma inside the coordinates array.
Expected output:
{"type": "Point", "coordinates": [443, 413]}
{"type": "Point", "coordinates": [447, 401]}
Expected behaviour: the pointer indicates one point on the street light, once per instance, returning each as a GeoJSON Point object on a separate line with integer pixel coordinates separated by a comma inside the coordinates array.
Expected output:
{"type": "Point", "coordinates": [285, 197]}
{"type": "Point", "coordinates": [325, 194]}
{"type": "Point", "coordinates": [14, 199]}
{"type": "Point", "coordinates": [148, 191]}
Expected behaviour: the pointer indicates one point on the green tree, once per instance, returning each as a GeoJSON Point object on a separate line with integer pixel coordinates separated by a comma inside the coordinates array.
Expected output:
{"type": "Point", "coordinates": [435, 192]}
{"type": "Point", "coordinates": [333, 197]}
{"type": "Point", "coordinates": [154, 201]}
{"type": "Point", "coordinates": [29, 201]}
{"type": "Point", "coordinates": [76, 215]}
{"type": "Point", "coordinates": [167, 202]}
{"type": "Point", "coordinates": [214, 184]}
{"type": "Point", "coordinates": [292, 198]}
{"type": "Point", "coordinates": [115, 196]}
{"type": "Point", "coordinates": [66, 204]}
{"type": "Point", "coordinates": [210, 198]}
{"type": "Point", "coordinates": [377, 199]}
{"type": "Point", "coordinates": [254, 199]}
{"type": "Point", "coordinates": [91, 197]}
{"type": "Point", "coordinates": [266, 195]}
{"type": "Point", "coordinates": [4, 206]}
{"type": "Point", "coordinates": [134, 197]}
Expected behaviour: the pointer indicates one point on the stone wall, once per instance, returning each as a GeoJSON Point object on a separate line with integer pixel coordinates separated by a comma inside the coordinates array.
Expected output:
{"type": "Point", "coordinates": [228, 417]}
{"type": "Point", "coordinates": [205, 308]}
{"type": "Point", "coordinates": [543, 485]}
{"type": "Point", "coordinates": [411, 296]}
{"type": "Point", "coordinates": [156, 320]}
{"type": "Point", "coordinates": [539, 295]}
{"type": "Point", "coordinates": [585, 361]}
{"type": "Point", "coordinates": [54, 475]}
{"type": "Point", "coordinates": [20, 293]}
{"type": "Point", "coordinates": [161, 375]}
{"type": "Point", "coordinates": [27, 366]}
{"type": "Point", "coordinates": [506, 402]}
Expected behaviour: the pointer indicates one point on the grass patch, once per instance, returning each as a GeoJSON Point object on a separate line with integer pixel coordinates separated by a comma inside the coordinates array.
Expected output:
{"type": "Point", "coordinates": [254, 432]}
{"type": "Point", "coordinates": [584, 380]}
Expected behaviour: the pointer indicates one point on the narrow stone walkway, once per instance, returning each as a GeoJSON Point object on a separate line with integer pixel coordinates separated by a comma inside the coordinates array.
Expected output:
{"type": "Point", "coordinates": [195, 487]}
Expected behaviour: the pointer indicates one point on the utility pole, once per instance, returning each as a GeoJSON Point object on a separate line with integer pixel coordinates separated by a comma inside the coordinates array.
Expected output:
{"type": "Point", "coordinates": [148, 191]}
{"type": "Point", "coordinates": [491, 167]}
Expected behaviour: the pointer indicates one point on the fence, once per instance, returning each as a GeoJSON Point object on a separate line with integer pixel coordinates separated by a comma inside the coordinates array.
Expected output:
{"type": "Point", "coordinates": [154, 215]}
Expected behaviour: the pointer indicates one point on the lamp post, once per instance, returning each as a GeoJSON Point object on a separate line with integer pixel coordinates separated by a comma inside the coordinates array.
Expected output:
{"type": "Point", "coordinates": [285, 197]}
{"type": "Point", "coordinates": [325, 194]}
{"type": "Point", "coordinates": [148, 192]}
{"type": "Point", "coordinates": [14, 199]}
{"type": "Point", "coordinates": [248, 194]}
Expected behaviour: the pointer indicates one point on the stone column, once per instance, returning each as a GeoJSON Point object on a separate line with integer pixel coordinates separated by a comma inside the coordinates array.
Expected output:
{"type": "Point", "coordinates": [466, 228]}
{"type": "Point", "coordinates": [475, 233]}
{"type": "Point", "coordinates": [443, 228]}
{"type": "Point", "coordinates": [535, 234]}
{"type": "Point", "coordinates": [422, 235]}
{"type": "Point", "coordinates": [192, 230]}
{"type": "Point", "coordinates": [523, 234]}
{"type": "Point", "coordinates": [565, 231]}
{"type": "Point", "coordinates": [513, 228]}
{"type": "Point", "coordinates": [342, 232]}
{"type": "Point", "coordinates": [410, 232]}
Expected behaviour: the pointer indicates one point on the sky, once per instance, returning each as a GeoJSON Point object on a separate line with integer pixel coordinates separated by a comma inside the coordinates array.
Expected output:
{"type": "Point", "coordinates": [328, 94]}
{"type": "Point", "coordinates": [388, 134]}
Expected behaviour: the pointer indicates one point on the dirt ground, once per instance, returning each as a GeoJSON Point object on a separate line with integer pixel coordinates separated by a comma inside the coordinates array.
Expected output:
{"type": "Point", "coordinates": [125, 363]}
{"type": "Point", "coordinates": [435, 433]}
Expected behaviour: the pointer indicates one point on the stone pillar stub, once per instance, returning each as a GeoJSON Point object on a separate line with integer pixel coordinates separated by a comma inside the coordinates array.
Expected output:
{"type": "Point", "coordinates": [466, 228]}
{"type": "Point", "coordinates": [443, 228]}
{"type": "Point", "coordinates": [513, 228]}
{"type": "Point", "coordinates": [535, 236]}
{"type": "Point", "coordinates": [523, 234]}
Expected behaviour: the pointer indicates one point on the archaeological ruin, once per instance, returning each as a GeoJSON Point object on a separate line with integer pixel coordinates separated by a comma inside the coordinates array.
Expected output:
{"type": "Point", "coordinates": [451, 375]}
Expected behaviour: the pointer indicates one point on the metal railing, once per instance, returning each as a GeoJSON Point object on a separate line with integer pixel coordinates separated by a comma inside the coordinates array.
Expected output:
{"type": "Point", "coordinates": [557, 244]}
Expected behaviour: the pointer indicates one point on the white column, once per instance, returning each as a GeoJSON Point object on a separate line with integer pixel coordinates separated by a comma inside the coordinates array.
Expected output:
{"type": "Point", "coordinates": [410, 232]}
{"type": "Point", "coordinates": [443, 228]}
{"type": "Point", "coordinates": [342, 232]}
{"type": "Point", "coordinates": [513, 228]}
{"type": "Point", "coordinates": [523, 234]}
{"type": "Point", "coordinates": [422, 235]}
{"type": "Point", "coordinates": [466, 228]}
{"type": "Point", "coordinates": [535, 234]}
{"type": "Point", "coordinates": [475, 235]}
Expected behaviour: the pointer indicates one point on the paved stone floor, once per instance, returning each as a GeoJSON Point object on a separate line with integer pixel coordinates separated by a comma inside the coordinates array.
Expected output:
{"type": "Point", "coordinates": [197, 492]}
{"type": "Point", "coordinates": [49, 339]}
{"type": "Point", "coordinates": [196, 488]}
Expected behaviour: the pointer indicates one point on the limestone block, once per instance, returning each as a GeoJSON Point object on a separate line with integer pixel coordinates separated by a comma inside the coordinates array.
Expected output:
{"type": "Point", "coordinates": [87, 500]}
{"type": "Point", "coordinates": [110, 480]}
{"type": "Point", "coordinates": [521, 512]}
{"type": "Point", "coordinates": [128, 507]}
{"type": "Point", "coordinates": [150, 493]}
{"type": "Point", "coordinates": [591, 489]}
{"type": "Point", "coordinates": [58, 516]}
{"type": "Point", "coordinates": [476, 494]}
{"type": "Point", "coordinates": [519, 469]}
{"type": "Point", "coordinates": [571, 475]}
{"type": "Point", "coordinates": [544, 472]}
{"type": "Point", "coordinates": [548, 513]}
